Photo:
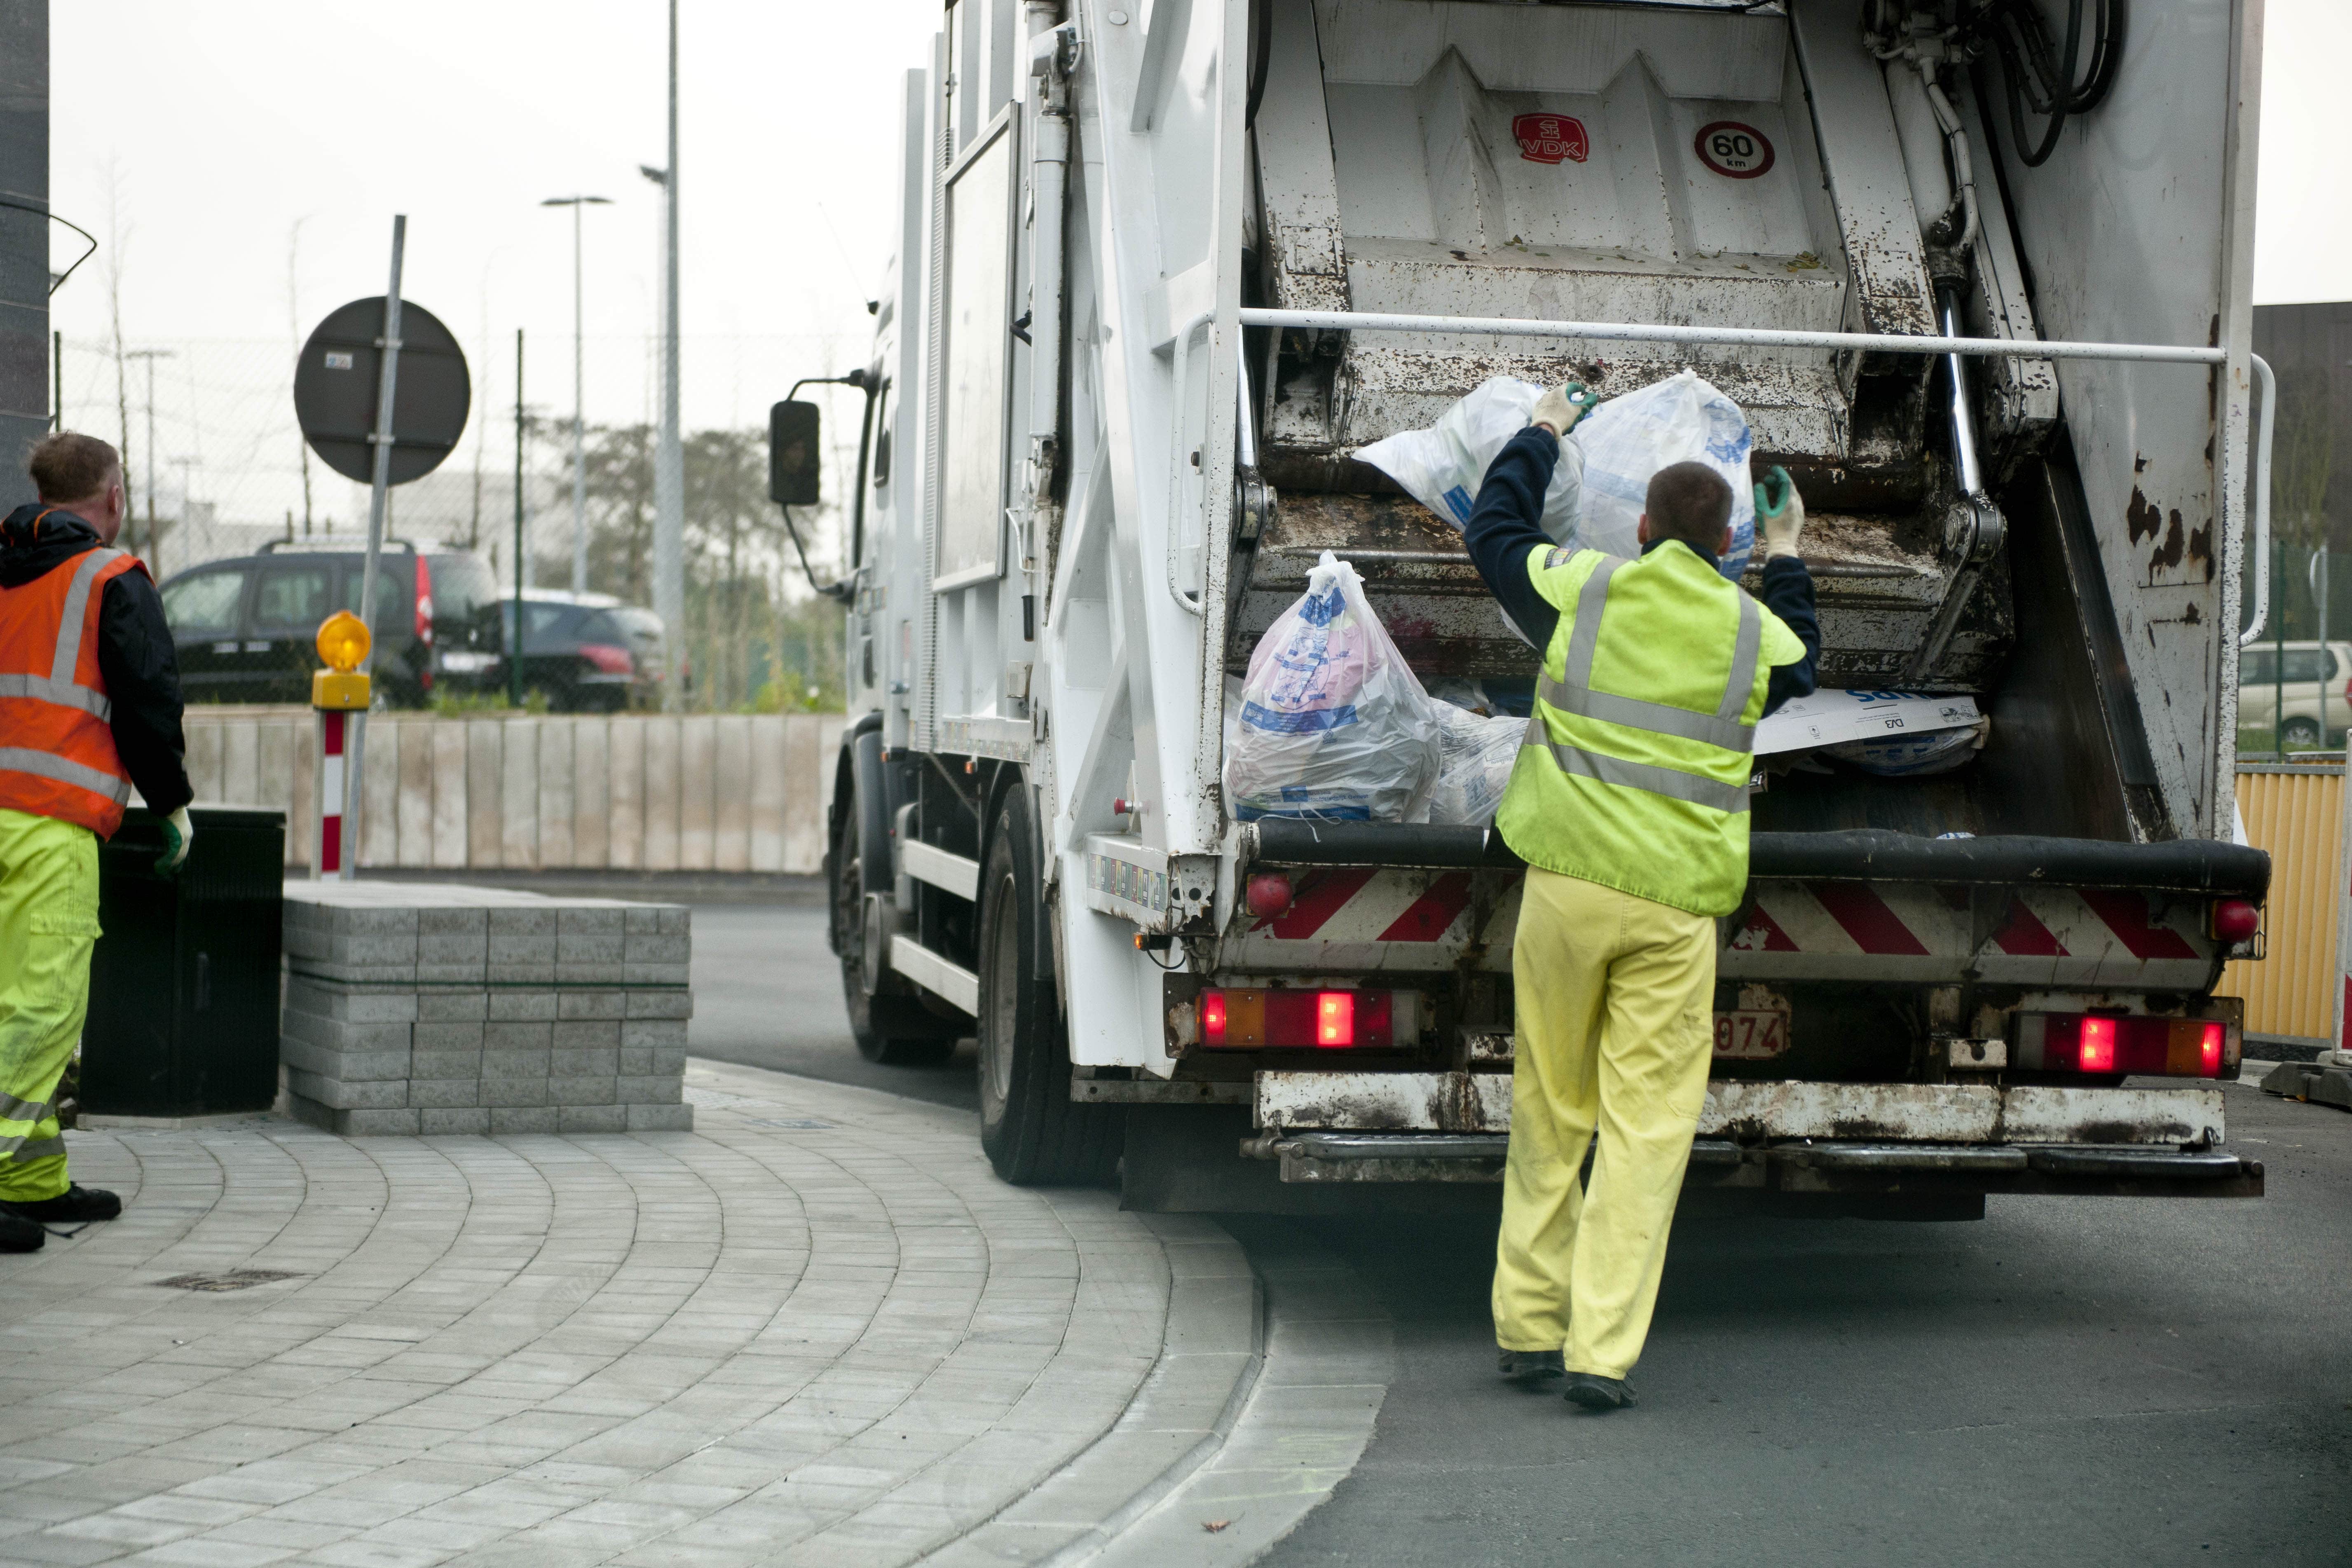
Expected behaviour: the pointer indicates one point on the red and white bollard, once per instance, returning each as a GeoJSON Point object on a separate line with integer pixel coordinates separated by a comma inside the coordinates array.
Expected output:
{"type": "Point", "coordinates": [340, 694]}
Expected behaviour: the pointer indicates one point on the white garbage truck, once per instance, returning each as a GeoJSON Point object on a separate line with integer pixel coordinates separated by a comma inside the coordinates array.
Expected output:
{"type": "Point", "coordinates": [1975, 271]}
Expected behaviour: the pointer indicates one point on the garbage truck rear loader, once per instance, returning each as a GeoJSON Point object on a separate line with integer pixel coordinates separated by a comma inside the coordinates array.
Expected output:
{"type": "Point", "coordinates": [1977, 274]}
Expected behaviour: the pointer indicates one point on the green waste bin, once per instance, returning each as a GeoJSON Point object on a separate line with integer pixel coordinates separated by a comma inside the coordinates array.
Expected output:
{"type": "Point", "coordinates": [183, 985]}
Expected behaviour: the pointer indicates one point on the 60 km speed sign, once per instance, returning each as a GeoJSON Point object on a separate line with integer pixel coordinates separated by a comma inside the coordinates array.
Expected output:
{"type": "Point", "coordinates": [1736, 151]}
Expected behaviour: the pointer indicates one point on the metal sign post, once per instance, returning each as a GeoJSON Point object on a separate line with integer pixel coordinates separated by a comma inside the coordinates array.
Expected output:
{"type": "Point", "coordinates": [380, 489]}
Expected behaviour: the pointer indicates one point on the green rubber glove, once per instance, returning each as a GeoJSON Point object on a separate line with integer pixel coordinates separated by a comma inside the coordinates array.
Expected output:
{"type": "Point", "coordinates": [178, 834]}
{"type": "Point", "coordinates": [1780, 512]}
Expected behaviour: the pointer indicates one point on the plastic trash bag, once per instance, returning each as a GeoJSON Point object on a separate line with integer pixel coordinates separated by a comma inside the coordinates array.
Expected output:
{"type": "Point", "coordinates": [1598, 491]}
{"type": "Point", "coordinates": [1332, 724]}
{"type": "Point", "coordinates": [1443, 467]}
{"type": "Point", "coordinates": [1914, 755]}
{"type": "Point", "coordinates": [1475, 754]}
{"type": "Point", "coordinates": [1628, 440]}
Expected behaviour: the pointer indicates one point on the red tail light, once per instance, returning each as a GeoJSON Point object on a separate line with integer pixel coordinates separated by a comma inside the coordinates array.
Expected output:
{"type": "Point", "coordinates": [423, 602]}
{"type": "Point", "coordinates": [2157, 1047]}
{"type": "Point", "coordinates": [608, 660]}
{"type": "Point", "coordinates": [1281, 1019]}
{"type": "Point", "coordinates": [2236, 921]}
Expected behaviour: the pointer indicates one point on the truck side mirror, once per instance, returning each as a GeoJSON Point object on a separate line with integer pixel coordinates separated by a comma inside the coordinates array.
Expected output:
{"type": "Point", "coordinates": [793, 454]}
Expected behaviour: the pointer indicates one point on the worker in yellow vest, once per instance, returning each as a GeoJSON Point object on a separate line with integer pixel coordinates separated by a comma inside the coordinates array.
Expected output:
{"type": "Point", "coordinates": [1629, 802]}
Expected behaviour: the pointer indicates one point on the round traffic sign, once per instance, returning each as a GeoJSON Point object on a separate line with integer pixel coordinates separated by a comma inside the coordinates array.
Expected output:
{"type": "Point", "coordinates": [1735, 151]}
{"type": "Point", "coordinates": [337, 378]}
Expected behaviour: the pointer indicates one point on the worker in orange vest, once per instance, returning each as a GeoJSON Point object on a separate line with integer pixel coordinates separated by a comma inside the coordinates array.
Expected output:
{"type": "Point", "coordinates": [89, 706]}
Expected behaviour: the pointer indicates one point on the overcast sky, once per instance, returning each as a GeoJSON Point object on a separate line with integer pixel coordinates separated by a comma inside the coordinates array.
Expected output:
{"type": "Point", "coordinates": [214, 127]}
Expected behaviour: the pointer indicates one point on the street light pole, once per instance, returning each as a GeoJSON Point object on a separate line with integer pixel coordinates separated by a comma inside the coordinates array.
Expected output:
{"type": "Point", "coordinates": [154, 549]}
{"type": "Point", "coordinates": [669, 466]}
{"type": "Point", "coordinates": [579, 395]}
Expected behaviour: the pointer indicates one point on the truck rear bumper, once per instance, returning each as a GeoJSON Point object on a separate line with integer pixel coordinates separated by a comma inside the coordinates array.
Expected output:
{"type": "Point", "coordinates": [1808, 1167]}
{"type": "Point", "coordinates": [1760, 1110]}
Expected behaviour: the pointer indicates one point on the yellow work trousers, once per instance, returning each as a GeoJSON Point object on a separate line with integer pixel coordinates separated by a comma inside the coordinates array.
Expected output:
{"type": "Point", "coordinates": [1614, 1031]}
{"type": "Point", "coordinates": [48, 922]}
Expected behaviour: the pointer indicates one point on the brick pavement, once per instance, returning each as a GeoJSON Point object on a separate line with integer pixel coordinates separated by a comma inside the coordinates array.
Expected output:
{"type": "Point", "coordinates": [816, 1330]}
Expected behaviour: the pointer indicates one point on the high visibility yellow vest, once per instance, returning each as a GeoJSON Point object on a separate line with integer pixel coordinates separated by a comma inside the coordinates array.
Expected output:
{"type": "Point", "coordinates": [1634, 772]}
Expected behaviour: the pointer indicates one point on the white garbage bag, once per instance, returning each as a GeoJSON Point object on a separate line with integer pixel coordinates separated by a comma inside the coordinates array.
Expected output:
{"type": "Point", "coordinates": [1332, 724]}
{"type": "Point", "coordinates": [1442, 468]}
{"type": "Point", "coordinates": [1602, 481]}
{"type": "Point", "coordinates": [1475, 754]}
{"type": "Point", "coordinates": [1628, 440]}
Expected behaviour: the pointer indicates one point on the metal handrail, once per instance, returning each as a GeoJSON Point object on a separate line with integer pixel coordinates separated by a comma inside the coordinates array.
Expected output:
{"type": "Point", "coordinates": [1867, 342]}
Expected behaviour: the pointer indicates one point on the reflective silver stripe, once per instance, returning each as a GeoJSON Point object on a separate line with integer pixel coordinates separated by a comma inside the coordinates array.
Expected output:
{"type": "Point", "coordinates": [1743, 661]}
{"type": "Point", "coordinates": [1585, 639]}
{"type": "Point", "coordinates": [41, 689]}
{"type": "Point", "coordinates": [18, 758]}
{"type": "Point", "coordinates": [1671, 782]}
{"type": "Point", "coordinates": [40, 1150]}
{"type": "Point", "coordinates": [61, 668]}
{"type": "Point", "coordinates": [15, 1110]}
{"type": "Point", "coordinates": [1657, 718]}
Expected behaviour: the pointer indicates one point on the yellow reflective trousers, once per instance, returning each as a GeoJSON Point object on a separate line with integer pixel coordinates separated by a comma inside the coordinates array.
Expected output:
{"type": "Point", "coordinates": [1614, 1031]}
{"type": "Point", "coordinates": [48, 922]}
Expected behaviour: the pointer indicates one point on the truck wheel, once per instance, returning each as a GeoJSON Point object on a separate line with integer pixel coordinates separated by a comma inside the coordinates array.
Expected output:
{"type": "Point", "coordinates": [891, 1027]}
{"type": "Point", "coordinates": [1029, 1127]}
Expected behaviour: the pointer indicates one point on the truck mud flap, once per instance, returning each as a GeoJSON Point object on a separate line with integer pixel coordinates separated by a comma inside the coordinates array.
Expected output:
{"type": "Point", "coordinates": [1857, 1169]}
{"type": "Point", "coordinates": [2192, 865]}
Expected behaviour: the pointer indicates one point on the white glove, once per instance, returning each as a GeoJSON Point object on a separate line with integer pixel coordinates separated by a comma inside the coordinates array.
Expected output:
{"type": "Point", "coordinates": [1560, 408]}
{"type": "Point", "coordinates": [1783, 526]}
{"type": "Point", "coordinates": [178, 834]}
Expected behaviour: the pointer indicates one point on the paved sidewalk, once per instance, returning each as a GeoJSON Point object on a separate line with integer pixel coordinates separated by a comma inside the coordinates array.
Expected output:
{"type": "Point", "coordinates": [814, 1331]}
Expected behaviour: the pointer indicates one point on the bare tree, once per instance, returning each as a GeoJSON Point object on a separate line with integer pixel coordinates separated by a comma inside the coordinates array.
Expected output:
{"type": "Point", "coordinates": [118, 241]}
{"type": "Point", "coordinates": [294, 325]}
{"type": "Point", "coordinates": [2303, 464]}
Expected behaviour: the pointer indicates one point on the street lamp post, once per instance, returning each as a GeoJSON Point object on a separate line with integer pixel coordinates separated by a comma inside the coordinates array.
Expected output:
{"type": "Point", "coordinates": [579, 396]}
{"type": "Point", "coordinates": [154, 549]}
{"type": "Point", "coordinates": [669, 464]}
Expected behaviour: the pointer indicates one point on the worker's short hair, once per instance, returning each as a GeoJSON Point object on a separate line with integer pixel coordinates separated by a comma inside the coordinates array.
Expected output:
{"type": "Point", "coordinates": [70, 467]}
{"type": "Point", "coordinates": [1689, 501]}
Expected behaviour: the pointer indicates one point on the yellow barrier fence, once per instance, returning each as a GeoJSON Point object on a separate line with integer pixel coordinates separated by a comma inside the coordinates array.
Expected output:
{"type": "Point", "coordinates": [2296, 813]}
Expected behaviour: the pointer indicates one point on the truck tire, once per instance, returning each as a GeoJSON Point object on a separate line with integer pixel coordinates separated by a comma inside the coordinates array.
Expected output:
{"type": "Point", "coordinates": [1029, 1127]}
{"type": "Point", "coordinates": [888, 1026]}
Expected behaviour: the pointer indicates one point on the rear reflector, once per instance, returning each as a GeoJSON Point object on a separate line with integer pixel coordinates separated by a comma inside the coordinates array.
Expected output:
{"type": "Point", "coordinates": [2096, 1043]}
{"type": "Point", "coordinates": [1285, 1019]}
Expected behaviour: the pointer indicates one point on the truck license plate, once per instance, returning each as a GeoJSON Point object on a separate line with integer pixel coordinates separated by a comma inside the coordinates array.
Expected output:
{"type": "Point", "coordinates": [1757, 1030]}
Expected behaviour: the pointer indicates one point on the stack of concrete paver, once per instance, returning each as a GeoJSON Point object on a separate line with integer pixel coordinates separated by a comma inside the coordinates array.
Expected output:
{"type": "Point", "coordinates": [419, 1008]}
{"type": "Point", "coordinates": [2327, 1081]}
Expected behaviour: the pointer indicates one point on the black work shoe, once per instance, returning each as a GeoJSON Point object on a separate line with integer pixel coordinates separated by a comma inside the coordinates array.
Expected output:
{"type": "Point", "coordinates": [1598, 1393]}
{"type": "Point", "coordinates": [1530, 1369]}
{"type": "Point", "coordinates": [77, 1204]}
{"type": "Point", "coordinates": [20, 1235]}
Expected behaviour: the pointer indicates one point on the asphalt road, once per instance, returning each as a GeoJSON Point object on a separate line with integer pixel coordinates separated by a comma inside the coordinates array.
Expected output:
{"type": "Point", "coordinates": [2079, 1381]}
{"type": "Point", "coordinates": [767, 994]}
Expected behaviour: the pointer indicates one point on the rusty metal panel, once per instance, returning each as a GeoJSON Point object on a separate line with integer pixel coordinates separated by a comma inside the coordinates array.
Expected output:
{"type": "Point", "coordinates": [1386, 1101]}
{"type": "Point", "coordinates": [1922, 1113]}
{"type": "Point", "coordinates": [2034, 1114]}
{"type": "Point", "coordinates": [2296, 814]}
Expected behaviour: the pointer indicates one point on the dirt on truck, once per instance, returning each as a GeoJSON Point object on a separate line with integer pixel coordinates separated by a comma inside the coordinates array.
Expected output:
{"type": "Point", "coordinates": [1976, 272]}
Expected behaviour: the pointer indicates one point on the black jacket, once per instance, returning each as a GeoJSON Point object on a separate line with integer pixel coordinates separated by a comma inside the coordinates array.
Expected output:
{"type": "Point", "coordinates": [134, 650]}
{"type": "Point", "coordinates": [1505, 526]}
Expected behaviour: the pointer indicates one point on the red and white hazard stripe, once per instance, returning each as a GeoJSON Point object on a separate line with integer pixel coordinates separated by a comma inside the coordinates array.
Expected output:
{"type": "Point", "coordinates": [327, 861]}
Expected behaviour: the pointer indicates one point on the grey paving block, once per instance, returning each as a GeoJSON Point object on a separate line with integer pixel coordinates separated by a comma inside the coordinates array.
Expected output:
{"type": "Point", "coordinates": [521, 935]}
{"type": "Point", "coordinates": [442, 1094]}
{"type": "Point", "coordinates": [515, 1064]}
{"type": "Point", "coordinates": [661, 1002]}
{"type": "Point", "coordinates": [464, 1119]}
{"type": "Point", "coordinates": [346, 1066]}
{"type": "Point", "coordinates": [444, 1064]}
{"type": "Point", "coordinates": [351, 1003]}
{"type": "Point", "coordinates": [636, 973]}
{"type": "Point", "coordinates": [507, 1092]}
{"type": "Point", "coordinates": [592, 1118]}
{"type": "Point", "coordinates": [524, 1119]}
{"type": "Point", "coordinates": [661, 1118]}
{"type": "Point", "coordinates": [634, 1061]}
{"type": "Point", "coordinates": [670, 1061]}
{"type": "Point", "coordinates": [453, 1004]}
{"type": "Point", "coordinates": [658, 947]}
{"type": "Point", "coordinates": [503, 1035]}
{"type": "Point", "coordinates": [596, 1003]}
{"type": "Point", "coordinates": [451, 1035]}
{"type": "Point", "coordinates": [587, 1034]}
{"type": "Point", "coordinates": [581, 1091]}
{"type": "Point", "coordinates": [661, 1090]}
{"type": "Point", "coordinates": [528, 1005]}
{"type": "Point", "coordinates": [656, 1033]}
{"type": "Point", "coordinates": [602, 1063]}
{"type": "Point", "coordinates": [342, 1095]}
{"type": "Point", "coordinates": [351, 1122]}
{"type": "Point", "coordinates": [335, 1035]}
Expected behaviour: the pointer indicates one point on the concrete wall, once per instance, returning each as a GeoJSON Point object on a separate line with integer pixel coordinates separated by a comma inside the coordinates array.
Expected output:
{"type": "Point", "coordinates": [707, 793]}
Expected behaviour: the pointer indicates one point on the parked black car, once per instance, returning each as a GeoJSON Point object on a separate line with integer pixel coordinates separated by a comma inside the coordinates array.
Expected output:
{"type": "Point", "coordinates": [590, 653]}
{"type": "Point", "coordinates": [244, 628]}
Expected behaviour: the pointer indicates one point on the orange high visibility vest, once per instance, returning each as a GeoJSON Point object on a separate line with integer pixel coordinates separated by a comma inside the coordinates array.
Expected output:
{"type": "Point", "coordinates": [57, 742]}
